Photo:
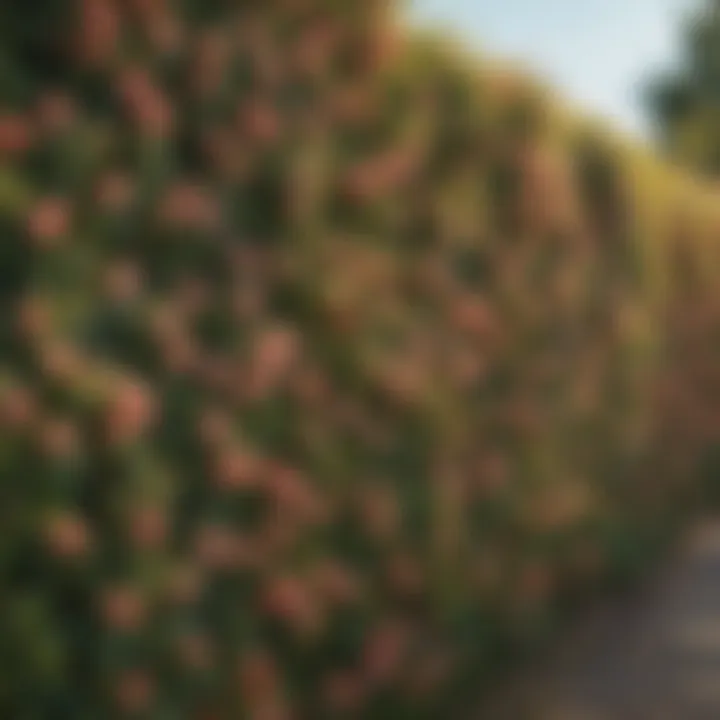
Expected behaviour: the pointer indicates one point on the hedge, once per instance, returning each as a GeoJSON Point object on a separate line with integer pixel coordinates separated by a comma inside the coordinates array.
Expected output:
{"type": "Point", "coordinates": [335, 362]}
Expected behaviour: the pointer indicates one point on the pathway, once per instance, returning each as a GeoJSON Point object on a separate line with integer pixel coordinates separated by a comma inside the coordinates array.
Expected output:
{"type": "Point", "coordinates": [654, 657]}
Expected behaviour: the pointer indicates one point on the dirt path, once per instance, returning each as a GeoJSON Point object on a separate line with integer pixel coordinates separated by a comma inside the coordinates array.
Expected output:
{"type": "Point", "coordinates": [653, 657]}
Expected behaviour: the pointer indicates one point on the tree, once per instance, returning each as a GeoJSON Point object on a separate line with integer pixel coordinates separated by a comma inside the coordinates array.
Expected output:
{"type": "Point", "coordinates": [685, 104]}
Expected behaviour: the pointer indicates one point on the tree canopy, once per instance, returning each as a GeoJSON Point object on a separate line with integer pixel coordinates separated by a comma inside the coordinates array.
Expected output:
{"type": "Point", "coordinates": [685, 104]}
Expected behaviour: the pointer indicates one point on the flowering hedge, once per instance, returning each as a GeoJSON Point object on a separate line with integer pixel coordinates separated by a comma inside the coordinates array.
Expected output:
{"type": "Point", "coordinates": [331, 367]}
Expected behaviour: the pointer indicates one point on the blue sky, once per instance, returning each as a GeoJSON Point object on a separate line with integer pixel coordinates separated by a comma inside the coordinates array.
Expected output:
{"type": "Point", "coordinates": [594, 51]}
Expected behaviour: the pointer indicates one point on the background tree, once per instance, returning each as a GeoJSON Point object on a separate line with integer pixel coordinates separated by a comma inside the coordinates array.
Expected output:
{"type": "Point", "coordinates": [685, 104]}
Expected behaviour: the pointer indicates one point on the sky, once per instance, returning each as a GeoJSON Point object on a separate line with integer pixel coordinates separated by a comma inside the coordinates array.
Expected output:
{"type": "Point", "coordinates": [594, 51]}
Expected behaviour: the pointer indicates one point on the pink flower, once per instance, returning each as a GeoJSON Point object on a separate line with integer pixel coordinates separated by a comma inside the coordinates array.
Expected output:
{"type": "Point", "coordinates": [335, 582]}
{"type": "Point", "coordinates": [379, 512]}
{"type": "Point", "coordinates": [123, 281]}
{"type": "Point", "coordinates": [131, 411]}
{"type": "Point", "coordinates": [535, 583]}
{"type": "Point", "coordinates": [278, 534]}
{"type": "Point", "coordinates": [163, 29]}
{"type": "Point", "coordinates": [310, 386]}
{"type": "Point", "coordinates": [216, 547]}
{"type": "Point", "coordinates": [195, 651]}
{"type": "Point", "coordinates": [277, 349]}
{"type": "Point", "coordinates": [473, 315]}
{"type": "Point", "coordinates": [18, 407]}
{"type": "Point", "coordinates": [188, 205]}
{"type": "Point", "coordinates": [144, 102]}
{"type": "Point", "coordinates": [379, 45]}
{"type": "Point", "coordinates": [288, 599]}
{"type": "Point", "coordinates": [59, 438]}
{"type": "Point", "coordinates": [248, 301]}
{"type": "Point", "coordinates": [493, 474]}
{"type": "Point", "coordinates": [467, 367]}
{"type": "Point", "coordinates": [228, 157]}
{"type": "Point", "coordinates": [98, 31]}
{"type": "Point", "coordinates": [258, 676]}
{"type": "Point", "coordinates": [179, 353]}
{"type": "Point", "coordinates": [313, 51]}
{"type": "Point", "coordinates": [294, 496]}
{"type": "Point", "coordinates": [235, 470]}
{"type": "Point", "coordinates": [115, 192]}
{"type": "Point", "coordinates": [123, 608]}
{"type": "Point", "coordinates": [146, 9]}
{"type": "Point", "coordinates": [274, 353]}
{"type": "Point", "coordinates": [524, 416]}
{"type": "Point", "coordinates": [184, 585]}
{"type": "Point", "coordinates": [149, 528]}
{"type": "Point", "coordinates": [260, 122]}
{"type": "Point", "coordinates": [34, 318]}
{"type": "Point", "coordinates": [404, 382]}
{"type": "Point", "coordinates": [49, 221]}
{"type": "Point", "coordinates": [429, 673]}
{"type": "Point", "coordinates": [56, 112]}
{"type": "Point", "coordinates": [343, 693]}
{"type": "Point", "coordinates": [193, 297]}
{"type": "Point", "coordinates": [134, 691]}
{"type": "Point", "coordinates": [61, 363]}
{"type": "Point", "coordinates": [214, 427]}
{"type": "Point", "coordinates": [353, 104]}
{"type": "Point", "coordinates": [275, 709]}
{"type": "Point", "coordinates": [384, 651]}
{"type": "Point", "coordinates": [211, 59]}
{"type": "Point", "coordinates": [16, 136]}
{"type": "Point", "coordinates": [215, 372]}
{"type": "Point", "coordinates": [67, 536]}
{"type": "Point", "coordinates": [404, 575]}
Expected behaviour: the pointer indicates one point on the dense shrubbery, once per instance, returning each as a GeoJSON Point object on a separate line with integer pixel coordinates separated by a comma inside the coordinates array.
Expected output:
{"type": "Point", "coordinates": [331, 367]}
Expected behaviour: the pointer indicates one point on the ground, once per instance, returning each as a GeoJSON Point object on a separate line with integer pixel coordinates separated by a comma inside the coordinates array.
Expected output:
{"type": "Point", "coordinates": [654, 656]}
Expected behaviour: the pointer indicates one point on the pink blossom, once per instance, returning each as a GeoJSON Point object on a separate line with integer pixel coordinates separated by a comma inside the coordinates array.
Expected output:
{"type": "Point", "coordinates": [123, 608]}
{"type": "Point", "coordinates": [123, 281]}
{"type": "Point", "coordinates": [260, 122]}
{"type": "Point", "coordinates": [384, 652]}
{"type": "Point", "coordinates": [131, 411]}
{"type": "Point", "coordinates": [67, 536]}
{"type": "Point", "coordinates": [134, 691]}
{"type": "Point", "coordinates": [288, 599]}
{"type": "Point", "coordinates": [149, 527]}
{"type": "Point", "coordinates": [16, 135]}
{"type": "Point", "coordinates": [236, 469]}
{"type": "Point", "coordinates": [56, 112]}
{"type": "Point", "coordinates": [258, 676]}
{"type": "Point", "coordinates": [59, 438]}
{"type": "Point", "coordinates": [188, 205]}
{"type": "Point", "coordinates": [18, 407]}
{"type": "Point", "coordinates": [115, 191]}
{"type": "Point", "coordinates": [216, 547]}
{"type": "Point", "coordinates": [34, 318]}
{"type": "Point", "coordinates": [146, 105]}
{"type": "Point", "coordinates": [184, 585]}
{"type": "Point", "coordinates": [195, 651]}
{"type": "Point", "coordinates": [49, 221]}
{"type": "Point", "coordinates": [343, 693]}
{"type": "Point", "coordinates": [99, 30]}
